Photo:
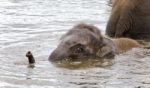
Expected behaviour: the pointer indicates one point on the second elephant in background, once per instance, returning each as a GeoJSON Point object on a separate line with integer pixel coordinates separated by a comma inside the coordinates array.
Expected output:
{"type": "Point", "coordinates": [130, 18]}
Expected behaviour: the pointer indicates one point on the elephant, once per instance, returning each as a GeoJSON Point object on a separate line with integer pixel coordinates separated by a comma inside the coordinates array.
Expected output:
{"type": "Point", "coordinates": [129, 18]}
{"type": "Point", "coordinates": [87, 41]}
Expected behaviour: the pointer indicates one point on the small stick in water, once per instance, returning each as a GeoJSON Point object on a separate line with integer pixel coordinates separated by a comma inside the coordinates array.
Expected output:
{"type": "Point", "coordinates": [30, 59]}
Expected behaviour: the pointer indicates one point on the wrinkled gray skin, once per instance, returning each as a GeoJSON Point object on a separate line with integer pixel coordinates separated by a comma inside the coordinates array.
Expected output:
{"type": "Point", "coordinates": [83, 41]}
{"type": "Point", "coordinates": [130, 18]}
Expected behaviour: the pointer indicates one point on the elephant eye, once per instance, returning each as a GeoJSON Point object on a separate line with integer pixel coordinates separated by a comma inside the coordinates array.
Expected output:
{"type": "Point", "coordinates": [79, 48]}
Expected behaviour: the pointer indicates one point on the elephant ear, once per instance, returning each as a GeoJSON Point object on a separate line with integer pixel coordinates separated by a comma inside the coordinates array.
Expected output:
{"type": "Point", "coordinates": [104, 51]}
{"type": "Point", "coordinates": [108, 50]}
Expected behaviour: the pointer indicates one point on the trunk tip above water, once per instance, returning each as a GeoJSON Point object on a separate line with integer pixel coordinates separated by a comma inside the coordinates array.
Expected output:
{"type": "Point", "coordinates": [30, 58]}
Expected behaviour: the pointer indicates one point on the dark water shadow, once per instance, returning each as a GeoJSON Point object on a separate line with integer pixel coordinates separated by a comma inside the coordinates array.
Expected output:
{"type": "Point", "coordinates": [84, 63]}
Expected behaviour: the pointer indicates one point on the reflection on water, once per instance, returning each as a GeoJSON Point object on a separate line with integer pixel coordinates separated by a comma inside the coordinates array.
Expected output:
{"type": "Point", "coordinates": [37, 25]}
{"type": "Point", "coordinates": [84, 63]}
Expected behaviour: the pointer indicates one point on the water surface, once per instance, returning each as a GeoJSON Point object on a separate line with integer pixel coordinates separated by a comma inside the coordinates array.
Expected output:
{"type": "Point", "coordinates": [37, 25]}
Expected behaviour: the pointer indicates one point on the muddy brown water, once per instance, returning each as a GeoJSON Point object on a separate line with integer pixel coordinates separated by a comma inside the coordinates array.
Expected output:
{"type": "Point", "coordinates": [37, 25]}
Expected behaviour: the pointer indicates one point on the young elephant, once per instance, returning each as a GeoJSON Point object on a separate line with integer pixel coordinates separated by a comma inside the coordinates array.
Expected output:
{"type": "Point", "coordinates": [129, 18]}
{"type": "Point", "coordinates": [86, 41]}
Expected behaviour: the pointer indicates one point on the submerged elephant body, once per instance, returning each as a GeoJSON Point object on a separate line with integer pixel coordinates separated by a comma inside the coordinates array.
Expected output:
{"type": "Point", "coordinates": [86, 41]}
{"type": "Point", "coordinates": [130, 18]}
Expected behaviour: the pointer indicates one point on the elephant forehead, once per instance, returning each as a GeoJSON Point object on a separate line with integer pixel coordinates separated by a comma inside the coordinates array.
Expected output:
{"type": "Point", "coordinates": [74, 39]}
